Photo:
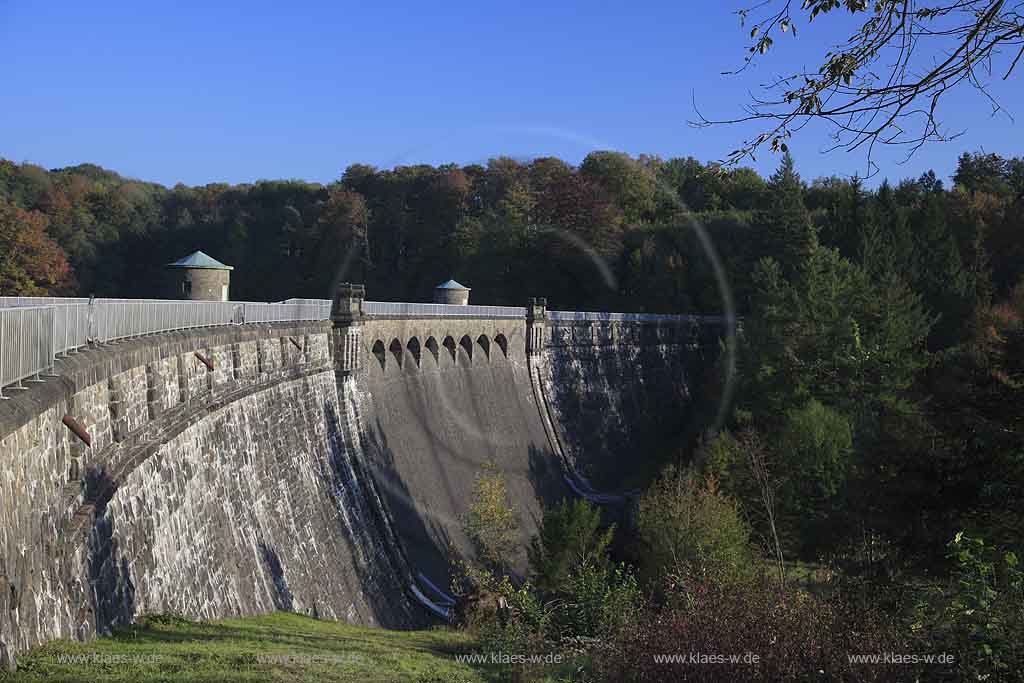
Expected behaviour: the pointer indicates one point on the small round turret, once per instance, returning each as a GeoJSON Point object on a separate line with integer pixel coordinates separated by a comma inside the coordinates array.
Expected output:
{"type": "Point", "coordinates": [451, 292]}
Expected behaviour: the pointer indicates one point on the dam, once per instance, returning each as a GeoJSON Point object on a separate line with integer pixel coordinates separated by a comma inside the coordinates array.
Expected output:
{"type": "Point", "coordinates": [215, 459]}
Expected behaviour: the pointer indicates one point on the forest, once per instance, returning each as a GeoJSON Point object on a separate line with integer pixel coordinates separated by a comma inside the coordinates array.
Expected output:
{"type": "Point", "coordinates": [873, 454]}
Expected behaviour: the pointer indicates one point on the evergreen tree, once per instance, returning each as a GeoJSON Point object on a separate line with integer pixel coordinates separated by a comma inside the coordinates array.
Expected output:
{"type": "Point", "coordinates": [787, 233]}
{"type": "Point", "coordinates": [938, 274]}
{"type": "Point", "coordinates": [887, 245]}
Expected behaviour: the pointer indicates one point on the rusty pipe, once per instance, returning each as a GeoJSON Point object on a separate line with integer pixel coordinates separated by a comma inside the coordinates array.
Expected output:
{"type": "Point", "coordinates": [206, 361]}
{"type": "Point", "coordinates": [77, 428]}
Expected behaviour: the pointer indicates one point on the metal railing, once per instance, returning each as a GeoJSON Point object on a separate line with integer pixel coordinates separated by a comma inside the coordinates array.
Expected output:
{"type": "Point", "coordinates": [598, 316]}
{"type": "Point", "coordinates": [26, 342]}
{"type": "Point", "coordinates": [320, 309]}
{"type": "Point", "coordinates": [28, 350]}
{"type": "Point", "coordinates": [399, 309]}
{"type": "Point", "coordinates": [36, 330]}
{"type": "Point", "coordinates": [11, 301]}
{"type": "Point", "coordinates": [408, 310]}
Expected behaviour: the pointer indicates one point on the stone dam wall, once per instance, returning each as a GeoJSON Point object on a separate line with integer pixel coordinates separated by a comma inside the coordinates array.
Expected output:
{"type": "Point", "coordinates": [208, 493]}
{"type": "Point", "coordinates": [314, 468]}
{"type": "Point", "coordinates": [615, 393]}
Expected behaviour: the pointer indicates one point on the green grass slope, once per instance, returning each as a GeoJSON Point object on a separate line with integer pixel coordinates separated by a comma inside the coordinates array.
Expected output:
{"type": "Point", "coordinates": [273, 647]}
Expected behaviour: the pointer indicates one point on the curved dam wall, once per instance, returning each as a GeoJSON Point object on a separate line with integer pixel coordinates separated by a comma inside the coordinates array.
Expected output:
{"type": "Point", "coordinates": [560, 408]}
{"type": "Point", "coordinates": [323, 468]}
{"type": "Point", "coordinates": [205, 492]}
{"type": "Point", "coordinates": [618, 392]}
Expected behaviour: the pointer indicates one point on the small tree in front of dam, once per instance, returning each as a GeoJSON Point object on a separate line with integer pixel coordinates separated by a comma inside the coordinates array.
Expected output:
{"type": "Point", "coordinates": [491, 520]}
{"type": "Point", "coordinates": [483, 582]}
{"type": "Point", "coordinates": [503, 614]}
{"type": "Point", "coordinates": [573, 599]}
{"type": "Point", "coordinates": [570, 535]}
{"type": "Point", "coordinates": [691, 529]}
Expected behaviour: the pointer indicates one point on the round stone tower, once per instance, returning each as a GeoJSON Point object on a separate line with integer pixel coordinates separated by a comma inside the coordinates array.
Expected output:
{"type": "Point", "coordinates": [451, 292]}
{"type": "Point", "coordinates": [200, 278]}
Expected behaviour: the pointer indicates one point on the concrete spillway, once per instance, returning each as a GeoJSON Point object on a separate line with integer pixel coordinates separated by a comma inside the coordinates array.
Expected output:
{"type": "Point", "coordinates": [431, 429]}
{"type": "Point", "coordinates": [309, 467]}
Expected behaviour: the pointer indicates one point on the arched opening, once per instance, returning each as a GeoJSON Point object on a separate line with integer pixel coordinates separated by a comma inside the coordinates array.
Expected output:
{"type": "Point", "coordinates": [449, 344]}
{"type": "Point", "coordinates": [502, 343]}
{"type": "Point", "coordinates": [467, 345]}
{"type": "Point", "coordinates": [485, 344]}
{"type": "Point", "coordinates": [414, 348]}
{"type": "Point", "coordinates": [432, 347]}
{"type": "Point", "coordinates": [378, 351]}
{"type": "Point", "coordinates": [396, 351]}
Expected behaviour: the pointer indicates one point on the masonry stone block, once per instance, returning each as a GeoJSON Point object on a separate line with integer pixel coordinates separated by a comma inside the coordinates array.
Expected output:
{"type": "Point", "coordinates": [91, 407]}
{"type": "Point", "coordinates": [129, 408]}
{"type": "Point", "coordinates": [164, 389]}
{"type": "Point", "coordinates": [318, 348]}
{"type": "Point", "coordinates": [559, 335]}
{"type": "Point", "coordinates": [223, 368]}
{"type": "Point", "coordinates": [269, 354]}
{"type": "Point", "coordinates": [193, 373]}
{"type": "Point", "coordinates": [246, 363]}
{"type": "Point", "coordinates": [290, 356]}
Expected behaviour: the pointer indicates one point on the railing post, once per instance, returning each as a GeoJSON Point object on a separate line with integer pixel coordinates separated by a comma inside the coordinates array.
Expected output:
{"type": "Point", "coordinates": [37, 342]}
{"type": "Point", "coordinates": [4, 351]}
{"type": "Point", "coordinates": [92, 325]}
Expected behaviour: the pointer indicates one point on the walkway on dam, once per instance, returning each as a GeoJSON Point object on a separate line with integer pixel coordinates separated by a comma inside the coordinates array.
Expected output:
{"type": "Point", "coordinates": [34, 331]}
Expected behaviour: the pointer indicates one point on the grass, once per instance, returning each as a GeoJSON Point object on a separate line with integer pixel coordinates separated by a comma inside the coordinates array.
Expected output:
{"type": "Point", "coordinates": [164, 648]}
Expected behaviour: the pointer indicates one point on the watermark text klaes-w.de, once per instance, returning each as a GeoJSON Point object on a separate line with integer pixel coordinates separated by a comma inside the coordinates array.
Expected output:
{"type": "Point", "coordinates": [749, 658]}
{"type": "Point", "coordinates": [903, 658]}
{"type": "Point", "coordinates": [508, 658]}
{"type": "Point", "coordinates": [108, 659]}
{"type": "Point", "coordinates": [295, 659]}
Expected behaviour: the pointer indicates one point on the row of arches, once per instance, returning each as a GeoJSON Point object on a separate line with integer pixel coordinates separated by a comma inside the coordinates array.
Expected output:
{"type": "Point", "coordinates": [397, 353]}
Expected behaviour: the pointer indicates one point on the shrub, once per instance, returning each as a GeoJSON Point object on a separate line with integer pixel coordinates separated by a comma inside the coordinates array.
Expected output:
{"type": "Point", "coordinates": [588, 597]}
{"type": "Point", "coordinates": [570, 535]}
{"type": "Point", "coordinates": [816, 444]}
{"type": "Point", "coordinates": [979, 616]}
{"type": "Point", "coordinates": [793, 635]}
{"type": "Point", "coordinates": [692, 530]}
{"type": "Point", "coordinates": [584, 602]}
{"type": "Point", "coordinates": [596, 601]}
{"type": "Point", "coordinates": [490, 522]}
{"type": "Point", "coordinates": [746, 469]}
{"type": "Point", "coordinates": [725, 457]}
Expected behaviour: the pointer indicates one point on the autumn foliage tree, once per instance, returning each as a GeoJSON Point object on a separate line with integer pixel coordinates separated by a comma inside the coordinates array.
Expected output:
{"type": "Point", "coordinates": [31, 263]}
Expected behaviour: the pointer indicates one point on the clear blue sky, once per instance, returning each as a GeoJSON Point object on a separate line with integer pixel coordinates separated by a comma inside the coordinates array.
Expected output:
{"type": "Point", "coordinates": [200, 92]}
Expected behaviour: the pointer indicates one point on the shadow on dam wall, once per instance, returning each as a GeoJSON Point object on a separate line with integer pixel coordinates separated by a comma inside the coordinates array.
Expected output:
{"type": "Point", "coordinates": [430, 430]}
{"type": "Point", "coordinates": [619, 410]}
{"type": "Point", "coordinates": [603, 415]}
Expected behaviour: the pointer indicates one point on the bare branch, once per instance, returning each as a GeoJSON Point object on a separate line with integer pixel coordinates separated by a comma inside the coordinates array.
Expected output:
{"type": "Point", "coordinates": [960, 38]}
